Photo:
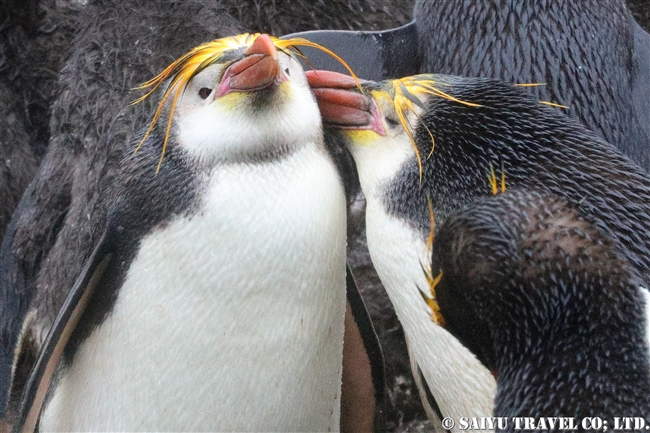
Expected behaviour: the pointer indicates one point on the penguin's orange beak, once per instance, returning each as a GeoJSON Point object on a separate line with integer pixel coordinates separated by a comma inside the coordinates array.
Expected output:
{"type": "Point", "coordinates": [258, 70]}
{"type": "Point", "coordinates": [341, 105]}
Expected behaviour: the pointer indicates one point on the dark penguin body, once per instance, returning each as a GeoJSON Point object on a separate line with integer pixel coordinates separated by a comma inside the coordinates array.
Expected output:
{"type": "Point", "coordinates": [592, 56]}
{"type": "Point", "coordinates": [33, 38]}
{"type": "Point", "coordinates": [475, 123]}
{"type": "Point", "coordinates": [547, 302]}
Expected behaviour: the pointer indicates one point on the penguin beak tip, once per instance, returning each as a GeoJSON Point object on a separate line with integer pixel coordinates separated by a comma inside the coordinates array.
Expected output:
{"type": "Point", "coordinates": [328, 79]}
{"type": "Point", "coordinates": [259, 69]}
{"type": "Point", "coordinates": [348, 109]}
{"type": "Point", "coordinates": [262, 45]}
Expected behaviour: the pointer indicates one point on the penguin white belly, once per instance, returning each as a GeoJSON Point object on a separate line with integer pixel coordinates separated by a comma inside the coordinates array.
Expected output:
{"type": "Point", "coordinates": [230, 319]}
{"type": "Point", "coordinates": [461, 385]}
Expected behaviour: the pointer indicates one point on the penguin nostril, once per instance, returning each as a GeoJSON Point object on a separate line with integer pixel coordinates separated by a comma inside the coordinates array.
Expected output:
{"type": "Point", "coordinates": [286, 71]}
{"type": "Point", "coordinates": [204, 92]}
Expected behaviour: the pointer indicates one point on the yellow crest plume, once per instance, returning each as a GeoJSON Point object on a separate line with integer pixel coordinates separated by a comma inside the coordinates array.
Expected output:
{"type": "Point", "coordinates": [405, 92]}
{"type": "Point", "coordinates": [183, 69]}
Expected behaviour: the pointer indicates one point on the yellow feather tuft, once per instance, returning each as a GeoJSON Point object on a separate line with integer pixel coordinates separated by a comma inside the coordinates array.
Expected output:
{"type": "Point", "coordinates": [553, 104]}
{"type": "Point", "coordinates": [405, 93]}
{"type": "Point", "coordinates": [529, 84]}
{"type": "Point", "coordinates": [183, 69]}
{"type": "Point", "coordinates": [430, 298]}
{"type": "Point", "coordinates": [492, 179]}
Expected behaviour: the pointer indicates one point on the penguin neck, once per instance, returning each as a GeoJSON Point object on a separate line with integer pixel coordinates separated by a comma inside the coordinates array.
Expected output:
{"type": "Point", "coordinates": [604, 356]}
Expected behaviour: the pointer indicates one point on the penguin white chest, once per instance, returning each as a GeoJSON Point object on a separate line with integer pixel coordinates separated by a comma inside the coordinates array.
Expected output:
{"type": "Point", "coordinates": [457, 380]}
{"type": "Point", "coordinates": [228, 319]}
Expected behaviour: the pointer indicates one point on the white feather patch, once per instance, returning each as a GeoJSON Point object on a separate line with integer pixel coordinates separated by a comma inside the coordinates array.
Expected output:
{"type": "Point", "coordinates": [229, 320]}
{"type": "Point", "coordinates": [461, 385]}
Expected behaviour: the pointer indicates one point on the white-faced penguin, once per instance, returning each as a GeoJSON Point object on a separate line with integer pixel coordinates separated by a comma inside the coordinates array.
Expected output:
{"type": "Point", "coordinates": [423, 147]}
{"type": "Point", "coordinates": [593, 58]}
{"type": "Point", "coordinates": [216, 297]}
{"type": "Point", "coordinates": [117, 46]}
{"type": "Point", "coordinates": [547, 303]}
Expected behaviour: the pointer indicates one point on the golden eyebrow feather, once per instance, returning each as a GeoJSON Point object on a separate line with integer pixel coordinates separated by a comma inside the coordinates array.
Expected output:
{"type": "Point", "coordinates": [183, 69]}
{"type": "Point", "coordinates": [405, 93]}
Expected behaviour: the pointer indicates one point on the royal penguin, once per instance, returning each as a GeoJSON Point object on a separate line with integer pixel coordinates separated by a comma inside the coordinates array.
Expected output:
{"type": "Point", "coordinates": [426, 145]}
{"type": "Point", "coordinates": [591, 56]}
{"type": "Point", "coordinates": [547, 302]}
{"type": "Point", "coordinates": [215, 299]}
{"type": "Point", "coordinates": [87, 82]}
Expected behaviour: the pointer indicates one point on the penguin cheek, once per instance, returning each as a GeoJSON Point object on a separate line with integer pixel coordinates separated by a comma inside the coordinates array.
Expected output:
{"type": "Point", "coordinates": [361, 137]}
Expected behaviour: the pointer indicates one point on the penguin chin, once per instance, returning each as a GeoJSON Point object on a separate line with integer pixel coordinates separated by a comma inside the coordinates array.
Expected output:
{"type": "Point", "coordinates": [251, 126]}
{"type": "Point", "coordinates": [378, 159]}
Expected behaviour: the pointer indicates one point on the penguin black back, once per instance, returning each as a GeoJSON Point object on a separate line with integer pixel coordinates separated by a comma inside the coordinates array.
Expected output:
{"type": "Point", "coordinates": [592, 56]}
{"type": "Point", "coordinates": [535, 146]}
{"type": "Point", "coordinates": [547, 302]}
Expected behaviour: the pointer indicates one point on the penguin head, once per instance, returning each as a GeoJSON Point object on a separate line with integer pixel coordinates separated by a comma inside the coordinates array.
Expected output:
{"type": "Point", "coordinates": [381, 122]}
{"type": "Point", "coordinates": [241, 98]}
{"type": "Point", "coordinates": [370, 122]}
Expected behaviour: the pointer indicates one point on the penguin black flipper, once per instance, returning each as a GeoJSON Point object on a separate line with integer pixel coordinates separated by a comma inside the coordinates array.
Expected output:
{"type": "Point", "coordinates": [374, 56]}
{"type": "Point", "coordinates": [372, 348]}
{"type": "Point", "coordinates": [75, 304]}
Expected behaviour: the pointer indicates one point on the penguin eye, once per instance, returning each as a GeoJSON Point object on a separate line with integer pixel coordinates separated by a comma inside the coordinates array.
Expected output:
{"type": "Point", "coordinates": [392, 122]}
{"type": "Point", "coordinates": [286, 71]}
{"type": "Point", "coordinates": [205, 92]}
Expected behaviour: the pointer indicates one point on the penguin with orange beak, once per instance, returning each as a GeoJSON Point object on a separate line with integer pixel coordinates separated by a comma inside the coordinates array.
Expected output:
{"type": "Point", "coordinates": [211, 303]}
{"type": "Point", "coordinates": [426, 145]}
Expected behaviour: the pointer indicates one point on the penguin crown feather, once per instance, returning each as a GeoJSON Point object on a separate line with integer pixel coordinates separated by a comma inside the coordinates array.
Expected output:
{"type": "Point", "coordinates": [182, 70]}
{"type": "Point", "coordinates": [405, 94]}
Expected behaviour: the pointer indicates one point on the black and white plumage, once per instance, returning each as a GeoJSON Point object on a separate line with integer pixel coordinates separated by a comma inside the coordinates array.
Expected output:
{"type": "Point", "coordinates": [59, 219]}
{"type": "Point", "coordinates": [547, 302]}
{"type": "Point", "coordinates": [425, 146]}
{"type": "Point", "coordinates": [219, 285]}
